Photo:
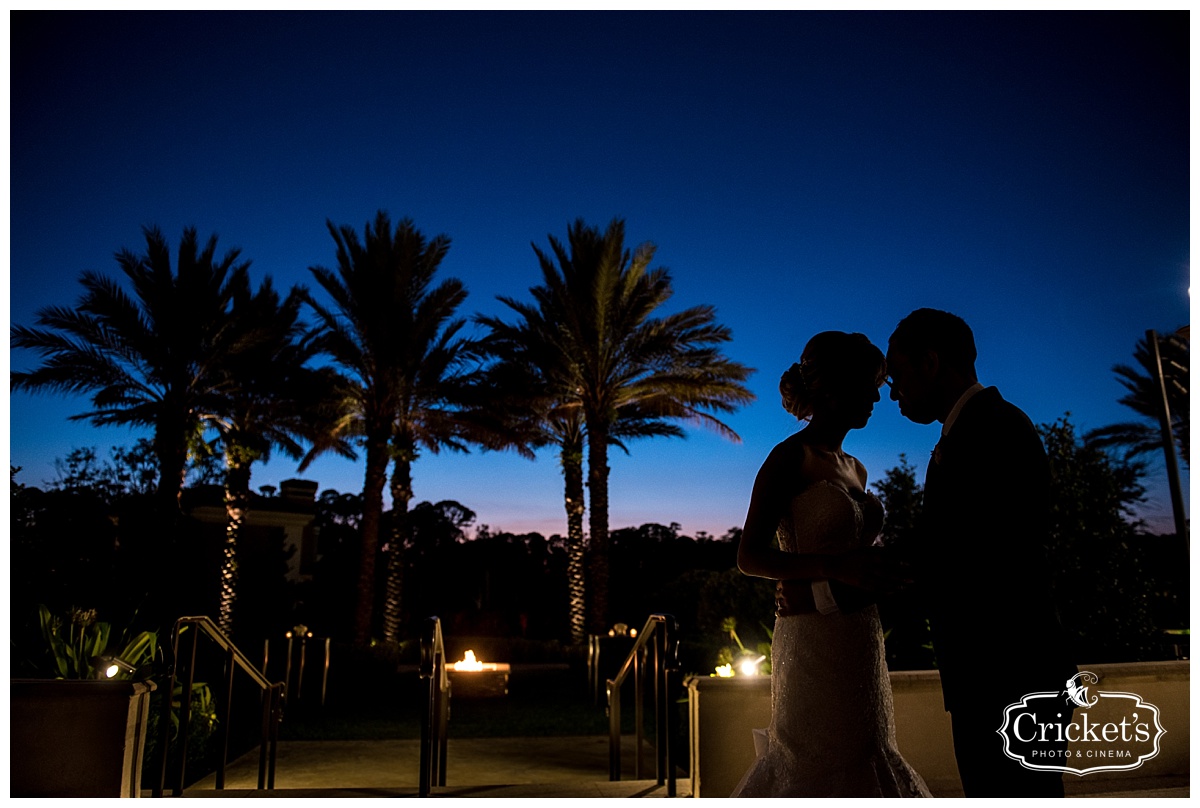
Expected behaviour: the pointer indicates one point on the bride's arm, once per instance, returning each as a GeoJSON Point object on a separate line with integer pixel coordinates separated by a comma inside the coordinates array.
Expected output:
{"type": "Point", "coordinates": [776, 480]}
{"type": "Point", "coordinates": [781, 475]}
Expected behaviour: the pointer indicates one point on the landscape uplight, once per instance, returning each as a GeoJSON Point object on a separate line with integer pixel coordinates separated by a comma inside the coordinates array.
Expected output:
{"type": "Point", "coordinates": [748, 665]}
{"type": "Point", "coordinates": [108, 667]}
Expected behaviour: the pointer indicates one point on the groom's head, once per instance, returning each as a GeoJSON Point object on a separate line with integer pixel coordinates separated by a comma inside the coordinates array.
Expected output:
{"type": "Point", "coordinates": [930, 362]}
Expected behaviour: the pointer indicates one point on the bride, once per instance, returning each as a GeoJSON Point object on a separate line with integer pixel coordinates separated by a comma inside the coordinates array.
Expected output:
{"type": "Point", "coordinates": [832, 730]}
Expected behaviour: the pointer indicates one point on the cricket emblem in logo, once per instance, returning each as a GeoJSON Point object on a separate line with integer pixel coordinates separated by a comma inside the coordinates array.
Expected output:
{"type": "Point", "coordinates": [1077, 694]}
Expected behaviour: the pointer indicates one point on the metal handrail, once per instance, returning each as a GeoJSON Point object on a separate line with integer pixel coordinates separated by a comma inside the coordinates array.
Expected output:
{"type": "Point", "coordinates": [436, 716]}
{"type": "Point", "coordinates": [272, 707]}
{"type": "Point", "coordinates": [662, 629]}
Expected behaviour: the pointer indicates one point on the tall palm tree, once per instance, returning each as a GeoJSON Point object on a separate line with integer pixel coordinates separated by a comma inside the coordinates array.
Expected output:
{"type": "Point", "coordinates": [623, 371]}
{"type": "Point", "coordinates": [532, 404]}
{"type": "Point", "coordinates": [391, 331]}
{"type": "Point", "coordinates": [529, 403]}
{"type": "Point", "coordinates": [273, 400]}
{"type": "Point", "coordinates": [433, 414]}
{"type": "Point", "coordinates": [1145, 398]}
{"type": "Point", "coordinates": [147, 360]}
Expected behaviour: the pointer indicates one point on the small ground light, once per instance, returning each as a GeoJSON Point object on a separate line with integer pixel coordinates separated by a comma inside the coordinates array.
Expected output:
{"type": "Point", "coordinates": [748, 666]}
{"type": "Point", "coordinates": [108, 667]}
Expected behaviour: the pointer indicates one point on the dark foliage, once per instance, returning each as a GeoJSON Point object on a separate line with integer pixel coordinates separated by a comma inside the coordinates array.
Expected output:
{"type": "Point", "coordinates": [326, 603]}
{"type": "Point", "coordinates": [79, 547]}
{"type": "Point", "coordinates": [1103, 583]}
{"type": "Point", "coordinates": [908, 643]}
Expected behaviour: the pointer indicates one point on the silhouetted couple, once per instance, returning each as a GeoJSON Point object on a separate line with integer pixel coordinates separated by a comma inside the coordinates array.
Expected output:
{"type": "Point", "coordinates": [977, 560]}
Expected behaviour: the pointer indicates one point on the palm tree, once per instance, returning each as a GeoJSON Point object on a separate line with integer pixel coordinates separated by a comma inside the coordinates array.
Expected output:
{"type": "Point", "coordinates": [273, 400]}
{"type": "Point", "coordinates": [616, 369]}
{"type": "Point", "coordinates": [147, 360]}
{"type": "Point", "coordinates": [391, 332]}
{"type": "Point", "coordinates": [531, 404]}
{"type": "Point", "coordinates": [1145, 398]}
{"type": "Point", "coordinates": [433, 414]}
{"type": "Point", "coordinates": [529, 409]}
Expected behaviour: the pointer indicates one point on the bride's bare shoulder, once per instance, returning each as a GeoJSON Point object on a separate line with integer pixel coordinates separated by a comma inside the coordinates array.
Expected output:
{"type": "Point", "coordinates": [790, 461]}
{"type": "Point", "coordinates": [791, 450]}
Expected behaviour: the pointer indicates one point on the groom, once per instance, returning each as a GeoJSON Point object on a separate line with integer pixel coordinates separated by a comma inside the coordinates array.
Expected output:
{"type": "Point", "coordinates": [978, 556]}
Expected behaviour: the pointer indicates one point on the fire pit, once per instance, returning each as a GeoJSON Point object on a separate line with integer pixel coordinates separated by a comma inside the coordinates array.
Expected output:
{"type": "Point", "coordinates": [471, 678]}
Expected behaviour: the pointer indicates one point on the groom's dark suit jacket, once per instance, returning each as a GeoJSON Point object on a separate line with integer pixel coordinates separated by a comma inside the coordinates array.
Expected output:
{"type": "Point", "coordinates": [981, 559]}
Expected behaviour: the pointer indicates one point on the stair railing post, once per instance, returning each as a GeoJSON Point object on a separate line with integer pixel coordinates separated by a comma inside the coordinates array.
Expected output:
{"type": "Point", "coordinates": [660, 693]}
{"type": "Point", "coordinates": [325, 674]}
{"type": "Point", "coordinates": [639, 719]}
{"type": "Point", "coordinates": [435, 714]}
{"type": "Point", "coordinates": [230, 666]}
{"type": "Point", "coordinates": [594, 678]}
{"type": "Point", "coordinates": [185, 716]}
{"type": "Point", "coordinates": [264, 740]}
{"type": "Point", "coordinates": [277, 697]}
{"type": "Point", "coordinates": [444, 694]}
{"type": "Point", "coordinates": [164, 717]}
{"type": "Point", "coordinates": [670, 659]}
{"type": "Point", "coordinates": [426, 736]}
{"type": "Point", "coordinates": [426, 742]}
{"type": "Point", "coordinates": [614, 732]}
{"type": "Point", "coordinates": [287, 668]}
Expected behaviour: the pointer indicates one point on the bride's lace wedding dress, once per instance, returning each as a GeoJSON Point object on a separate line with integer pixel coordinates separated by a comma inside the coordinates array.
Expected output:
{"type": "Point", "coordinates": [832, 730]}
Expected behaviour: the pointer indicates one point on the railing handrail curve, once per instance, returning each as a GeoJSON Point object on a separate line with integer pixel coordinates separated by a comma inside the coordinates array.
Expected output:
{"type": "Point", "coordinates": [216, 635]}
{"type": "Point", "coordinates": [272, 706]}
{"type": "Point", "coordinates": [643, 639]}
{"type": "Point", "coordinates": [658, 635]}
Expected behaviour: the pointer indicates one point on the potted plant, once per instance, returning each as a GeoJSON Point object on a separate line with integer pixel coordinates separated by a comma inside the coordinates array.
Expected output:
{"type": "Point", "coordinates": [80, 732]}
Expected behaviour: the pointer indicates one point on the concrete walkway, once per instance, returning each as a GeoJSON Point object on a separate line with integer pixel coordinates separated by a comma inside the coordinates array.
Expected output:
{"type": "Point", "coordinates": [560, 767]}
{"type": "Point", "coordinates": [574, 766]}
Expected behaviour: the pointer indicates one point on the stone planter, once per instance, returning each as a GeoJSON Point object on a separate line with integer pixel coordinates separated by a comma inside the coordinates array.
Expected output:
{"type": "Point", "coordinates": [77, 738]}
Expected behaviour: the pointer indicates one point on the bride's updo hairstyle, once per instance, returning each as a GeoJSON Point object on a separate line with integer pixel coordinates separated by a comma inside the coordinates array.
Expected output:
{"type": "Point", "coordinates": [831, 361]}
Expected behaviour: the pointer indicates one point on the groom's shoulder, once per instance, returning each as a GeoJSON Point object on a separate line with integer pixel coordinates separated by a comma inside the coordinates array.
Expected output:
{"type": "Point", "coordinates": [990, 409]}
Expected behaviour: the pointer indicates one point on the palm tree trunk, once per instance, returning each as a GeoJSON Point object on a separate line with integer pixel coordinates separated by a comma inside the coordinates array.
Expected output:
{"type": "Point", "coordinates": [237, 505]}
{"type": "Point", "coordinates": [170, 449]}
{"type": "Point", "coordinates": [572, 463]}
{"type": "Point", "coordinates": [597, 438]}
{"type": "Point", "coordinates": [373, 484]}
{"type": "Point", "coordinates": [393, 603]}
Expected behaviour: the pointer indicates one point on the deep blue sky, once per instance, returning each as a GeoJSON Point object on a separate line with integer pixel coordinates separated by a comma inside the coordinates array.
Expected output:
{"type": "Point", "coordinates": [801, 171]}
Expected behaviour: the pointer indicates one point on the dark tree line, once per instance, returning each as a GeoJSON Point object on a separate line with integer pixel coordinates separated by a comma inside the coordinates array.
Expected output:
{"type": "Point", "coordinates": [87, 541]}
{"type": "Point", "coordinates": [489, 583]}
